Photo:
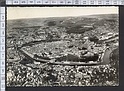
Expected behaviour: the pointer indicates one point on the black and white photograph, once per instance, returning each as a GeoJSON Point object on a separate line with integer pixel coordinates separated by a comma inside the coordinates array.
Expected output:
{"type": "Point", "coordinates": [62, 46]}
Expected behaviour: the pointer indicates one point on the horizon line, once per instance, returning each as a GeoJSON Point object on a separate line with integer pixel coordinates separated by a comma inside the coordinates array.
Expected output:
{"type": "Point", "coordinates": [63, 16]}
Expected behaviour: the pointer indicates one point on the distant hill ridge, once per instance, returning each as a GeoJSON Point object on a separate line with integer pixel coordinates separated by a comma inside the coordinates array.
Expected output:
{"type": "Point", "coordinates": [61, 21]}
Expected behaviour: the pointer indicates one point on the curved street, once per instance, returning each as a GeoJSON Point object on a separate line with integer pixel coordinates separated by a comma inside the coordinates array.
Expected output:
{"type": "Point", "coordinates": [106, 57]}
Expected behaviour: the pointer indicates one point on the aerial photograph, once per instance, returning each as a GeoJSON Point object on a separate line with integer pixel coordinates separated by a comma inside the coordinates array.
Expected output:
{"type": "Point", "coordinates": [62, 46]}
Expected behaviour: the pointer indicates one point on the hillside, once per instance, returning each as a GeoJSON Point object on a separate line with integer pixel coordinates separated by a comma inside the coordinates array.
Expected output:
{"type": "Point", "coordinates": [84, 25]}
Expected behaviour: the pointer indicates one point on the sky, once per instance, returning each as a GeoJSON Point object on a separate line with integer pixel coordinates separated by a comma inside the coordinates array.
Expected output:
{"type": "Point", "coordinates": [43, 12]}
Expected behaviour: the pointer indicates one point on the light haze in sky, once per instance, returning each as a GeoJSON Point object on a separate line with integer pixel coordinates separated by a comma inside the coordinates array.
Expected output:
{"type": "Point", "coordinates": [43, 12]}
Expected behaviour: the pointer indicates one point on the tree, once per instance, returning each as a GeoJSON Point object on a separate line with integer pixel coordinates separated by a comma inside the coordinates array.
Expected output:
{"type": "Point", "coordinates": [93, 39]}
{"type": "Point", "coordinates": [51, 23]}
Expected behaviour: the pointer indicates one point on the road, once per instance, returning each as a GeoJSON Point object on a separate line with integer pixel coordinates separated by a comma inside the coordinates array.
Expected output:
{"type": "Point", "coordinates": [106, 58]}
{"type": "Point", "coordinates": [52, 61]}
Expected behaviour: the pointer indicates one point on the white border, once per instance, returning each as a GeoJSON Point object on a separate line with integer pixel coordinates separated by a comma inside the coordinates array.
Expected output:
{"type": "Point", "coordinates": [2, 48]}
{"type": "Point", "coordinates": [65, 2]}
